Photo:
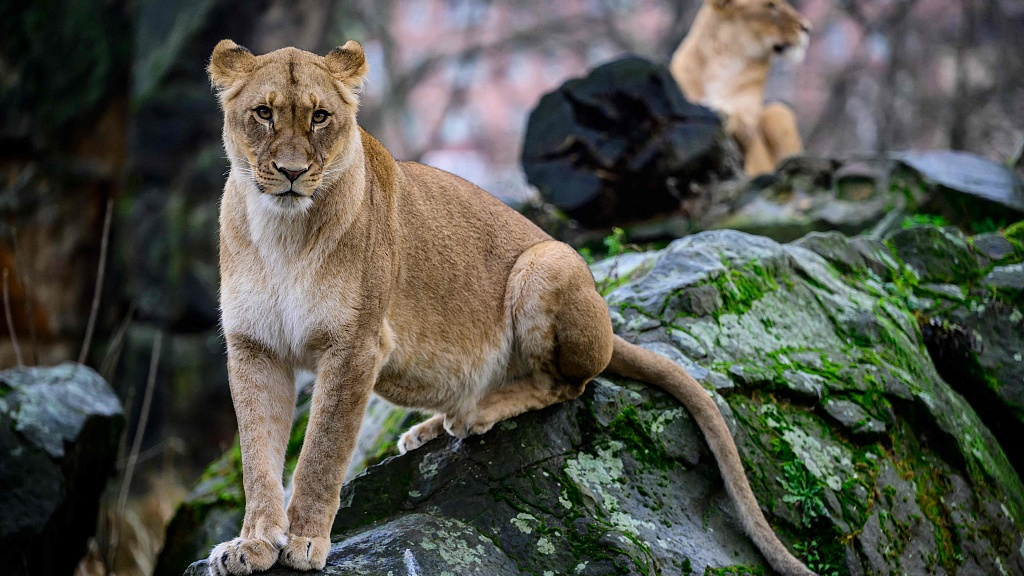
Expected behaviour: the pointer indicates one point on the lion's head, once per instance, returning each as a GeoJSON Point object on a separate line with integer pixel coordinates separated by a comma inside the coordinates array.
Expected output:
{"type": "Point", "coordinates": [289, 116]}
{"type": "Point", "coordinates": [769, 26]}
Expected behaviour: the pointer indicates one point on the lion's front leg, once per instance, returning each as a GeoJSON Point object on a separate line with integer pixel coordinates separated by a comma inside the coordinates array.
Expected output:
{"type": "Point", "coordinates": [345, 379]}
{"type": "Point", "coordinates": [263, 393]}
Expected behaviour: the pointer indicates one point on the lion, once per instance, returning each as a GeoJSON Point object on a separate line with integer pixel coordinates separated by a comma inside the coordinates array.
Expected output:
{"type": "Point", "coordinates": [724, 62]}
{"type": "Point", "coordinates": [395, 278]}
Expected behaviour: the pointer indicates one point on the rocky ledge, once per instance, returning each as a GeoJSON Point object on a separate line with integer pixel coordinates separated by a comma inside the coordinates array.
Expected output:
{"type": "Point", "coordinates": [820, 355]}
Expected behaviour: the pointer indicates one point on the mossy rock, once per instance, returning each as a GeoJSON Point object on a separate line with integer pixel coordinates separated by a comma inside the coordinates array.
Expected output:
{"type": "Point", "coordinates": [937, 254]}
{"type": "Point", "coordinates": [865, 459]}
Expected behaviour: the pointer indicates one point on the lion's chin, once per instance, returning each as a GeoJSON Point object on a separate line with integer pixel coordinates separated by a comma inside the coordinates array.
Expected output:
{"type": "Point", "coordinates": [288, 202]}
{"type": "Point", "coordinates": [796, 53]}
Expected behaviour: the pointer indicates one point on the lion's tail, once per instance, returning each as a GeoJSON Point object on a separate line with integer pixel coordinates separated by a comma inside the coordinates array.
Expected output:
{"type": "Point", "coordinates": [635, 362]}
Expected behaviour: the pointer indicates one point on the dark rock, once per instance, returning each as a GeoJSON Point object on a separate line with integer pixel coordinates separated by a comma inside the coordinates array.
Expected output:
{"type": "Point", "coordinates": [967, 174]}
{"type": "Point", "coordinates": [1006, 278]}
{"type": "Point", "coordinates": [977, 344]}
{"type": "Point", "coordinates": [995, 247]}
{"type": "Point", "coordinates": [59, 432]}
{"type": "Point", "coordinates": [937, 254]}
{"type": "Point", "coordinates": [836, 248]}
{"type": "Point", "coordinates": [622, 144]}
{"type": "Point", "coordinates": [852, 416]}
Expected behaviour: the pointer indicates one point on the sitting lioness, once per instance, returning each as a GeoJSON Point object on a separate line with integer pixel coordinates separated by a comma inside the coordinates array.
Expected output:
{"type": "Point", "coordinates": [395, 278]}
{"type": "Point", "coordinates": [724, 62]}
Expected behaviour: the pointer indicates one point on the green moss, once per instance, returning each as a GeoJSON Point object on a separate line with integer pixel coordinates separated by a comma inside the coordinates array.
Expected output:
{"type": "Point", "coordinates": [221, 482]}
{"type": "Point", "coordinates": [608, 285]}
{"type": "Point", "coordinates": [628, 428]}
{"type": "Point", "coordinates": [735, 570]}
{"type": "Point", "coordinates": [1015, 232]}
{"type": "Point", "coordinates": [740, 288]}
{"type": "Point", "coordinates": [817, 540]}
{"type": "Point", "coordinates": [931, 485]}
{"type": "Point", "coordinates": [392, 428]}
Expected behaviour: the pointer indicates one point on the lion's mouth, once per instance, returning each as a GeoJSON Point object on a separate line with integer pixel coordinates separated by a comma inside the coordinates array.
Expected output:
{"type": "Point", "coordinates": [780, 48]}
{"type": "Point", "coordinates": [289, 194]}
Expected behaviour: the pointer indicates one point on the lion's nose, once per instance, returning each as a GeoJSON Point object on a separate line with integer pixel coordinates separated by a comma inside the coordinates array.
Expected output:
{"type": "Point", "coordinates": [291, 173]}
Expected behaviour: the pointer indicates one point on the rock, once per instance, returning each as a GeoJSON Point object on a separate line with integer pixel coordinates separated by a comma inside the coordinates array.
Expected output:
{"type": "Point", "coordinates": [974, 332]}
{"type": "Point", "coordinates": [876, 194]}
{"type": "Point", "coordinates": [817, 444]}
{"type": "Point", "coordinates": [936, 254]}
{"type": "Point", "coordinates": [620, 482]}
{"type": "Point", "coordinates": [811, 194]}
{"type": "Point", "coordinates": [967, 174]}
{"type": "Point", "coordinates": [1007, 278]}
{"type": "Point", "coordinates": [995, 247]}
{"type": "Point", "coordinates": [836, 248]}
{"type": "Point", "coordinates": [864, 457]}
{"type": "Point", "coordinates": [623, 144]}
{"type": "Point", "coordinates": [59, 434]}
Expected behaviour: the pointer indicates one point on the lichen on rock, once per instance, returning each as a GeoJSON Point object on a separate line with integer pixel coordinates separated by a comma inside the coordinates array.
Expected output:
{"type": "Point", "coordinates": [865, 458]}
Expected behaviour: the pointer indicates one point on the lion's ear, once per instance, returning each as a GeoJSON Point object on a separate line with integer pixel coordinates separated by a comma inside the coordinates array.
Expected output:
{"type": "Point", "coordinates": [229, 63]}
{"type": "Point", "coordinates": [348, 64]}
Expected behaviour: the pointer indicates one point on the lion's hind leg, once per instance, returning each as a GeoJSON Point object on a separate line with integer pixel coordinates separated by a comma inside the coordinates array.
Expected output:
{"type": "Point", "coordinates": [562, 338]}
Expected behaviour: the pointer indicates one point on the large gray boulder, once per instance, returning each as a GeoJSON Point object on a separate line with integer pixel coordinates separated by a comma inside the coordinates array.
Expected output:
{"type": "Point", "coordinates": [59, 431]}
{"type": "Point", "coordinates": [864, 458]}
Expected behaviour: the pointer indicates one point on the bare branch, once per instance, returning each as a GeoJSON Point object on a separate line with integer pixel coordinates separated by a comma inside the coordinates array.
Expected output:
{"type": "Point", "coordinates": [10, 319]}
{"type": "Point", "coordinates": [21, 267]}
{"type": "Point", "coordinates": [98, 289]}
{"type": "Point", "coordinates": [140, 432]}
{"type": "Point", "coordinates": [116, 344]}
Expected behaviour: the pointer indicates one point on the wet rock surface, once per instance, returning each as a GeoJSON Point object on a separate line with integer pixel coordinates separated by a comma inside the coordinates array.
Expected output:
{"type": "Point", "coordinates": [59, 431]}
{"type": "Point", "coordinates": [819, 354]}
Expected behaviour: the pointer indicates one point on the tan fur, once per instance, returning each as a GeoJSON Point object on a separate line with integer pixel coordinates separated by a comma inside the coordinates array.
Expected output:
{"type": "Point", "coordinates": [724, 62]}
{"type": "Point", "coordinates": [390, 277]}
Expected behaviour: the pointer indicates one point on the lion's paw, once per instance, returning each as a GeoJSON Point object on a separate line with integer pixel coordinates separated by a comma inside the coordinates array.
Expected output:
{"type": "Point", "coordinates": [242, 556]}
{"type": "Point", "coordinates": [463, 428]}
{"type": "Point", "coordinates": [304, 553]}
{"type": "Point", "coordinates": [420, 434]}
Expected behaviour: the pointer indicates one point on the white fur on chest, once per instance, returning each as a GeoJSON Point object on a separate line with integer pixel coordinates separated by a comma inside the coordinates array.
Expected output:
{"type": "Point", "coordinates": [721, 87]}
{"type": "Point", "coordinates": [280, 299]}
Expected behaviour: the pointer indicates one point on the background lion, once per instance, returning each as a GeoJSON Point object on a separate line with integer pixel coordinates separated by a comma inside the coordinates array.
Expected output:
{"type": "Point", "coordinates": [724, 62]}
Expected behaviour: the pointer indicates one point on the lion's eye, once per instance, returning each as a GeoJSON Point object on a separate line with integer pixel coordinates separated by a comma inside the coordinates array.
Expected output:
{"type": "Point", "coordinates": [772, 6]}
{"type": "Point", "coordinates": [264, 112]}
{"type": "Point", "coordinates": [320, 116]}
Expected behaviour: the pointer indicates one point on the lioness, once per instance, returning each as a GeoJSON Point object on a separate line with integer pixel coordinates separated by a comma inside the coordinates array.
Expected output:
{"type": "Point", "coordinates": [395, 278]}
{"type": "Point", "coordinates": [724, 62]}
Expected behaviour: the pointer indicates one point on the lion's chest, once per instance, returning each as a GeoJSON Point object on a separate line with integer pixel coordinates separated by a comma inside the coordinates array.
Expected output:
{"type": "Point", "coordinates": [284, 305]}
{"type": "Point", "coordinates": [727, 87]}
